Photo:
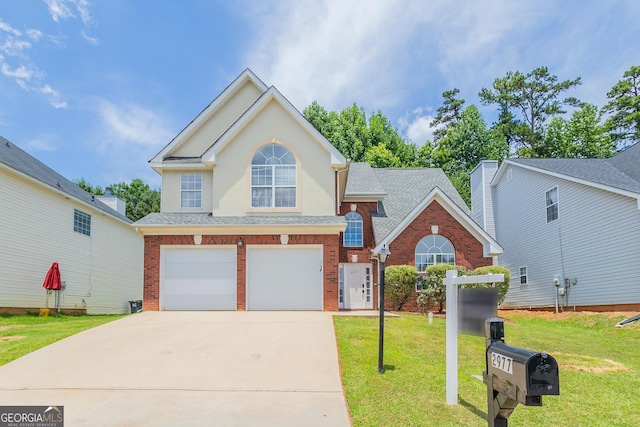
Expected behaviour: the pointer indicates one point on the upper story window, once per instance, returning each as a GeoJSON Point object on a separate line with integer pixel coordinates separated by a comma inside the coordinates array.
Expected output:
{"type": "Point", "coordinates": [191, 190]}
{"type": "Point", "coordinates": [353, 233]}
{"type": "Point", "coordinates": [434, 249]}
{"type": "Point", "coordinates": [273, 178]}
{"type": "Point", "coordinates": [81, 222]}
{"type": "Point", "coordinates": [552, 204]}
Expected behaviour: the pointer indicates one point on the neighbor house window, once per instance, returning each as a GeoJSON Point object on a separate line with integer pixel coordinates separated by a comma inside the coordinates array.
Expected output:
{"type": "Point", "coordinates": [191, 190]}
{"type": "Point", "coordinates": [273, 178]}
{"type": "Point", "coordinates": [552, 204]}
{"type": "Point", "coordinates": [434, 249]}
{"type": "Point", "coordinates": [353, 233]}
{"type": "Point", "coordinates": [523, 276]}
{"type": "Point", "coordinates": [81, 222]}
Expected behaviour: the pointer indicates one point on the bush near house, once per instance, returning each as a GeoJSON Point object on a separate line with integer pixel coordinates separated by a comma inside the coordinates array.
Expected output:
{"type": "Point", "coordinates": [400, 284]}
{"type": "Point", "coordinates": [434, 292]}
{"type": "Point", "coordinates": [494, 269]}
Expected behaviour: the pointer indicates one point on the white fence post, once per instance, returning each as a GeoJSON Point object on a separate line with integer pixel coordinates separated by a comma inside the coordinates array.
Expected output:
{"type": "Point", "coordinates": [452, 337]}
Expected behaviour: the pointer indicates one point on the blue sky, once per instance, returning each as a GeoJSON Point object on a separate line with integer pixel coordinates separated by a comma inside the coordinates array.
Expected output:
{"type": "Point", "coordinates": [95, 89]}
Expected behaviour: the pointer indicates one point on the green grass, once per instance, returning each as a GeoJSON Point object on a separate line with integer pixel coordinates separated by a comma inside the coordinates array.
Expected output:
{"type": "Point", "coordinates": [22, 334]}
{"type": "Point", "coordinates": [599, 371]}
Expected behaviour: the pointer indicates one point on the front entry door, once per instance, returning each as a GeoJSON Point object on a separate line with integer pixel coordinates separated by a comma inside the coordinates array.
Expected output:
{"type": "Point", "coordinates": [357, 286]}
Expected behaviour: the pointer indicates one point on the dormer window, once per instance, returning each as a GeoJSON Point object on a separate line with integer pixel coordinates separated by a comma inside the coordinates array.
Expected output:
{"type": "Point", "coordinates": [273, 178]}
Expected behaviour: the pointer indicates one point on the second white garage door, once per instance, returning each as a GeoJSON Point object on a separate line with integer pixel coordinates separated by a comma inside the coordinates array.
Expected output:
{"type": "Point", "coordinates": [202, 278]}
{"type": "Point", "coordinates": [285, 278]}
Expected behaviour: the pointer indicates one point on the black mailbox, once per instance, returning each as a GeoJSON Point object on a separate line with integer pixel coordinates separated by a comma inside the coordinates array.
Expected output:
{"type": "Point", "coordinates": [523, 375]}
{"type": "Point", "coordinates": [515, 375]}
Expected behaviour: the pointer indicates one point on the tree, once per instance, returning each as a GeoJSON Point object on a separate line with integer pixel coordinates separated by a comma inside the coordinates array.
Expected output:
{"type": "Point", "coordinates": [379, 156]}
{"type": "Point", "coordinates": [139, 197]}
{"type": "Point", "coordinates": [465, 144]}
{"type": "Point", "coordinates": [448, 114]}
{"type": "Point", "coordinates": [624, 123]}
{"type": "Point", "coordinates": [86, 186]}
{"type": "Point", "coordinates": [355, 136]}
{"type": "Point", "coordinates": [535, 96]}
{"type": "Point", "coordinates": [582, 136]}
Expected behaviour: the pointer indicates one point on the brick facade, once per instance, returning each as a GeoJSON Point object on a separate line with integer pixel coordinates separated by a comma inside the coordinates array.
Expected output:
{"type": "Point", "coordinates": [152, 244]}
{"type": "Point", "coordinates": [468, 250]}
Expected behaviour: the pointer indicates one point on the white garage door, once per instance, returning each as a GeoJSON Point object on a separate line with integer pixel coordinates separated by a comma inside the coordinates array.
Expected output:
{"type": "Point", "coordinates": [285, 278]}
{"type": "Point", "coordinates": [198, 279]}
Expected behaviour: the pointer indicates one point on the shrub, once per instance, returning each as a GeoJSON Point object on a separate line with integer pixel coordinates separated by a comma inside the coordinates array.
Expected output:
{"type": "Point", "coordinates": [400, 284]}
{"type": "Point", "coordinates": [495, 269]}
{"type": "Point", "coordinates": [432, 282]}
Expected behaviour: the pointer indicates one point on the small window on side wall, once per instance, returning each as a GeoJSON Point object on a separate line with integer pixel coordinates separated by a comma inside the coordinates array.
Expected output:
{"type": "Point", "coordinates": [524, 278]}
{"type": "Point", "coordinates": [551, 198]}
{"type": "Point", "coordinates": [81, 222]}
{"type": "Point", "coordinates": [191, 190]}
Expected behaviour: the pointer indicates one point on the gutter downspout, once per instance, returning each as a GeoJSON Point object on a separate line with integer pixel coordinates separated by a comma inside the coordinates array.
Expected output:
{"type": "Point", "coordinates": [338, 198]}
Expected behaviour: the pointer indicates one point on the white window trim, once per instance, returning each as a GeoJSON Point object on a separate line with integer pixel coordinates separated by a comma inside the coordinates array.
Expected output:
{"type": "Point", "coordinates": [182, 175]}
{"type": "Point", "coordinates": [525, 275]}
{"type": "Point", "coordinates": [360, 223]}
{"type": "Point", "coordinates": [415, 254]}
{"type": "Point", "coordinates": [273, 185]}
{"type": "Point", "coordinates": [79, 225]}
{"type": "Point", "coordinates": [557, 204]}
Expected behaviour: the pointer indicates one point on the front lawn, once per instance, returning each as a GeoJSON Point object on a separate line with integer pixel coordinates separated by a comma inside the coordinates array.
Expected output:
{"type": "Point", "coordinates": [599, 371]}
{"type": "Point", "coordinates": [22, 334]}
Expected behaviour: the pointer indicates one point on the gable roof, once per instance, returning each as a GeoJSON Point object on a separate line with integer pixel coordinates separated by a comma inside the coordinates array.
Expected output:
{"type": "Point", "coordinates": [407, 192]}
{"type": "Point", "coordinates": [619, 174]}
{"type": "Point", "coordinates": [246, 76]}
{"type": "Point", "coordinates": [272, 94]}
{"type": "Point", "coordinates": [25, 164]}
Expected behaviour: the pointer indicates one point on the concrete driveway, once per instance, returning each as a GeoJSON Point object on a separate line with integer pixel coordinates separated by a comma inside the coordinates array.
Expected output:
{"type": "Point", "coordinates": [188, 369]}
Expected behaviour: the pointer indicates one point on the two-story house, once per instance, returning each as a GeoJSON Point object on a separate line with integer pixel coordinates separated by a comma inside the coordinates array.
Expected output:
{"type": "Point", "coordinates": [260, 212]}
{"type": "Point", "coordinates": [570, 229]}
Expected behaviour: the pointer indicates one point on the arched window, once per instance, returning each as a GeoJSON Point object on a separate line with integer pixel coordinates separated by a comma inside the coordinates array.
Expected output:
{"type": "Point", "coordinates": [434, 249]}
{"type": "Point", "coordinates": [353, 233]}
{"type": "Point", "coordinates": [273, 178]}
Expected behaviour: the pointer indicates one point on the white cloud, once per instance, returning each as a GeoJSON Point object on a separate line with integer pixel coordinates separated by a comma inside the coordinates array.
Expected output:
{"type": "Point", "coordinates": [42, 143]}
{"type": "Point", "coordinates": [9, 29]}
{"type": "Point", "coordinates": [91, 40]}
{"type": "Point", "coordinates": [416, 126]}
{"type": "Point", "coordinates": [62, 9]}
{"type": "Point", "coordinates": [53, 96]}
{"type": "Point", "coordinates": [128, 136]}
{"type": "Point", "coordinates": [58, 9]}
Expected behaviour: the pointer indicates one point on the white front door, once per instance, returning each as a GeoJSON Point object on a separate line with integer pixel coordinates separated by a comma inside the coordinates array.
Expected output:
{"type": "Point", "coordinates": [356, 290]}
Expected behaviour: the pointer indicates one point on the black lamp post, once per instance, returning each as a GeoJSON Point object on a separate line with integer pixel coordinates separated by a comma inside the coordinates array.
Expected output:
{"type": "Point", "coordinates": [382, 258]}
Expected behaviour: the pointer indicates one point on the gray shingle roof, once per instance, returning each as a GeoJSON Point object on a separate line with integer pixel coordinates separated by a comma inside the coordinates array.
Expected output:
{"type": "Point", "coordinates": [362, 181]}
{"type": "Point", "coordinates": [617, 172]}
{"type": "Point", "coordinates": [161, 219]}
{"type": "Point", "coordinates": [405, 189]}
{"type": "Point", "coordinates": [23, 162]}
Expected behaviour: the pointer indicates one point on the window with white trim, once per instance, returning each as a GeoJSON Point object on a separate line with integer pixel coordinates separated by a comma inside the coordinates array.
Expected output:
{"type": "Point", "coordinates": [353, 234]}
{"type": "Point", "coordinates": [81, 222]}
{"type": "Point", "coordinates": [524, 278]}
{"type": "Point", "coordinates": [273, 178]}
{"type": "Point", "coordinates": [434, 249]}
{"type": "Point", "coordinates": [191, 190]}
{"type": "Point", "coordinates": [551, 198]}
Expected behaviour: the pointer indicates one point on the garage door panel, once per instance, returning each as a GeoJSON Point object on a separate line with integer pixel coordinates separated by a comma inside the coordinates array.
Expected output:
{"type": "Point", "coordinates": [285, 278]}
{"type": "Point", "coordinates": [199, 279]}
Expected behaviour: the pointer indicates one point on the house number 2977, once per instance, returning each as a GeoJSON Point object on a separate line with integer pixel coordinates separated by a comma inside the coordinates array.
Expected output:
{"type": "Point", "coordinates": [501, 362]}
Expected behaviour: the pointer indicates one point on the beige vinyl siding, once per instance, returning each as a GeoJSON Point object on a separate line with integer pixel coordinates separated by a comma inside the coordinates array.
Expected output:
{"type": "Point", "coordinates": [596, 239]}
{"type": "Point", "coordinates": [102, 271]}
{"type": "Point", "coordinates": [232, 173]}
{"type": "Point", "coordinates": [170, 195]}
{"type": "Point", "coordinates": [224, 117]}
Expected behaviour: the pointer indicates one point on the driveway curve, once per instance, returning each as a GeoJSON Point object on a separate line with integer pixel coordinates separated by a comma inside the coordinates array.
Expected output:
{"type": "Point", "coordinates": [189, 369]}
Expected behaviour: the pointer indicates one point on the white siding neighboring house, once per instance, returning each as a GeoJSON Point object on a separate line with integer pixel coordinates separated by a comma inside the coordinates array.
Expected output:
{"type": "Point", "coordinates": [575, 220]}
{"type": "Point", "coordinates": [47, 218]}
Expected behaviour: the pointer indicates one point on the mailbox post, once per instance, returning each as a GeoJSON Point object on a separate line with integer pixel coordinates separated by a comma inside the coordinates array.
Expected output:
{"type": "Point", "coordinates": [514, 375]}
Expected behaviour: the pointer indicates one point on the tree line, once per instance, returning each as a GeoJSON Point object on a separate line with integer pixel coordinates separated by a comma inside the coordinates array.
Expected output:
{"type": "Point", "coordinates": [531, 122]}
{"type": "Point", "coordinates": [140, 199]}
